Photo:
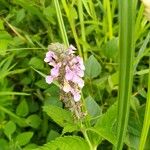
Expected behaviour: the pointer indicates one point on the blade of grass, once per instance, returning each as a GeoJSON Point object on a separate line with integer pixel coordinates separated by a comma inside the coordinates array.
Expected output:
{"type": "Point", "coordinates": [17, 118]}
{"type": "Point", "coordinates": [126, 49]}
{"type": "Point", "coordinates": [14, 93]}
{"type": "Point", "coordinates": [81, 17]}
{"type": "Point", "coordinates": [146, 123]}
{"type": "Point", "coordinates": [109, 16]}
{"type": "Point", "coordinates": [142, 51]}
{"type": "Point", "coordinates": [61, 23]}
{"type": "Point", "coordinates": [72, 24]}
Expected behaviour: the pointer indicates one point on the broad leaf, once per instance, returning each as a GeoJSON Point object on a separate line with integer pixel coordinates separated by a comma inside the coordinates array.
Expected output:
{"type": "Point", "coordinates": [66, 143]}
{"type": "Point", "coordinates": [106, 125]}
{"type": "Point", "coordinates": [9, 128]}
{"type": "Point", "coordinates": [93, 67]}
{"type": "Point", "coordinates": [22, 109]}
{"type": "Point", "coordinates": [59, 115]}
{"type": "Point", "coordinates": [33, 121]}
{"type": "Point", "coordinates": [92, 107]}
{"type": "Point", "coordinates": [24, 138]}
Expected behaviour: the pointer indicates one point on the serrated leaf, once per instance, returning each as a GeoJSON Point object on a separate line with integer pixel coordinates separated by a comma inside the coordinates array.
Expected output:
{"type": "Point", "coordinates": [9, 128]}
{"type": "Point", "coordinates": [66, 143]}
{"type": "Point", "coordinates": [33, 121]}
{"type": "Point", "coordinates": [24, 138]}
{"type": "Point", "coordinates": [106, 124]}
{"type": "Point", "coordinates": [59, 115]}
{"type": "Point", "coordinates": [92, 67]}
{"type": "Point", "coordinates": [70, 128]}
{"type": "Point", "coordinates": [22, 109]}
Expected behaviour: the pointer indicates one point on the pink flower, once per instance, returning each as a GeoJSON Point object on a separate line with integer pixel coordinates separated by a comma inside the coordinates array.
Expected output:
{"type": "Point", "coordinates": [76, 95]}
{"type": "Point", "coordinates": [50, 57]}
{"type": "Point", "coordinates": [72, 70]}
{"type": "Point", "coordinates": [49, 79]}
{"type": "Point", "coordinates": [71, 49]}
{"type": "Point", "coordinates": [80, 82]}
{"type": "Point", "coordinates": [55, 70]}
{"type": "Point", "coordinates": [69, 74]}
{"type": "Point", "coordinates": [75, 76]}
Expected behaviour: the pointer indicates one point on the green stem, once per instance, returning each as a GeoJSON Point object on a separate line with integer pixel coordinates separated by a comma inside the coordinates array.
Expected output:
{"type": "Point", "coordinates": [88, 140]}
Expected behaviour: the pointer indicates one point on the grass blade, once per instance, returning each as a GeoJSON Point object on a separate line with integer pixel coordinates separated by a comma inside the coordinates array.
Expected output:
{"type": "Point", "coordinates": [61, 23]}
{"type": "Point", "coordinates": [81, 17]}
{"type": "Point", "coordinates": [72, 24]}
{"type": "Point", "coordinates": [126, 47]}
{"type": "Point", "coordinates": [146, 123]}
{"type": "Point", "coordinates": [14, 93]}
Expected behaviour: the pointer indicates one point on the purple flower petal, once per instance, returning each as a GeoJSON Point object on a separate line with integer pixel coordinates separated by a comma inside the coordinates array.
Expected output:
{"type": "Point", "coordinates": [69, 74]}
{"type": "Point", "coordinates": [55, 70]}
{"type": "Point", "coordinates": [49, 79]}
{"type": "Point", "coordinates": [76, 96]}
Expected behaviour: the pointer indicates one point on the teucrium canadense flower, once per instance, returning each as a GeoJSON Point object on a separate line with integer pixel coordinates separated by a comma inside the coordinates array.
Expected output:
{"type": "Point", "coordinates": [67, 69]}
{"type": "Point", "coordinates": [147, 8]}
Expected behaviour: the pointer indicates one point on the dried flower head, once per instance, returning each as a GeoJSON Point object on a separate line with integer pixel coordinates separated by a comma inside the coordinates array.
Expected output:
{"type": "Point", "coordinates": [147, 8]}
{"type": "Point", "coordinates": [68, 70]}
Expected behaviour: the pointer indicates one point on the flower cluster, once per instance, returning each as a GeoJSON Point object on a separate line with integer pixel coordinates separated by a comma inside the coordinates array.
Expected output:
{"type": "Point", "coordinates": [67, 69]}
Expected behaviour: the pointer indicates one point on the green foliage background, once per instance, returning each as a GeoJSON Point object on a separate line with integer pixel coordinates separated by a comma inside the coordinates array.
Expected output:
{"type": "Point", "coordinates": [26, 29]}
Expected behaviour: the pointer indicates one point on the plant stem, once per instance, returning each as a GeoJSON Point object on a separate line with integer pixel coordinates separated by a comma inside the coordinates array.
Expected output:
{"type": "Point", "coordinates": [88, 140]}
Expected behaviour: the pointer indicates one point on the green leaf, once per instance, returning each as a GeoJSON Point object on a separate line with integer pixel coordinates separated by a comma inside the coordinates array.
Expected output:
{"type": "Point", "coordinates": [50, 14]}
{"type": "Point", "coordinates": [59, 115]}
{"type": "Point", "coordinates": [42, 84]}
{"type": "Point", "coordinates": [127, 13]}
{"type": "Point", "coordinates": [110, 49]}
{"type": "Point", "coordinates": [52, 135]}
{"type": "Point", "coordinates": [20, 15]}
{"type": "Point", "coordinates": [113, 80]}
{"type": "Point", "coordinates": [5, 38]}
{"type": "Point", "coordinates": [30, 147]}
{"type": "Point", "coordinates": [92, 107]}
{"type": "Point", "coordinates": [33, 121]}
{"type": "Point", "coordinates": [22, 109]}
{"type": "Point", "coordinates": [70, 128]}
{"type": "Point", "coordinates": [24, 138]}
{"type": "Point", "coordinates": [93, 67]}
{"type": "Point", "coordinates": [36, 63]}
{"type": "Point", "coordinates": [85, 3]}
{"type": "Point", "coordinates": [106, 124]}
{"type": "Point", "coordinates": [3, 144]}
{"type": "Point", "coordinates": [9, 128]}
{"type": "Point", "coordinates": [95, 138]}
{"type": "Point", "coordinates": [66, 143]}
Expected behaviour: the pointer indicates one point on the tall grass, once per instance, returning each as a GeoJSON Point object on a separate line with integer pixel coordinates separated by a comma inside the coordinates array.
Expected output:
{"type": "Point", "coordinates": [61, 23]}
{"type": "Point", "coordinates": [146, 123]}
{"type": "Point", "coordinates": [126, 52]}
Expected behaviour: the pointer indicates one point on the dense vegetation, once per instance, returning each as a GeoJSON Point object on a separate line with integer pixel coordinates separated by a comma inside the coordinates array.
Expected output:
{"type": "Point", "coordinates": [113, 40]}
